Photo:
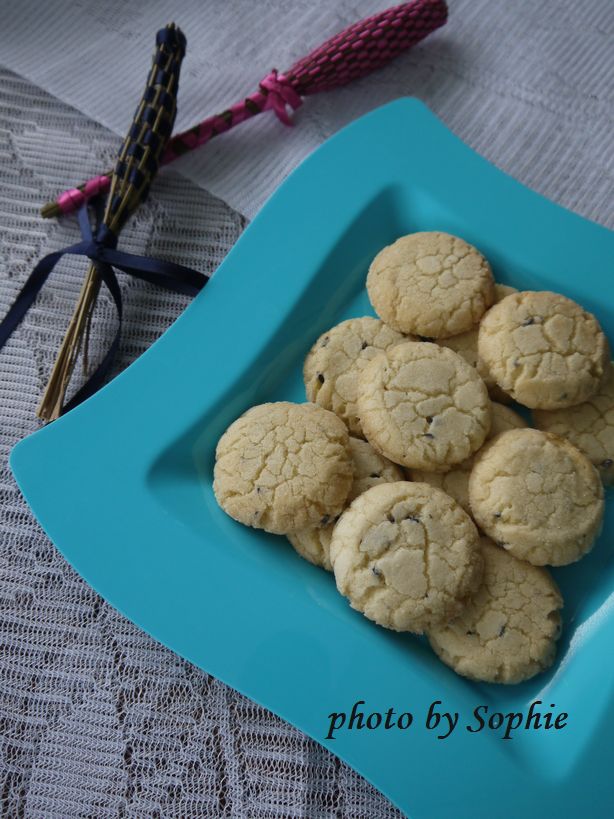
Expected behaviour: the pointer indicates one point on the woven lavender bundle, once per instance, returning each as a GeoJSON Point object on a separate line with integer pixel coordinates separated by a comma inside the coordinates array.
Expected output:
{"type": "Point", "coordinates": [139, 157]}
{"type": "Point", "coordinates": [137, 164]}
{"type": "Point", "coordinates": [355, 52]}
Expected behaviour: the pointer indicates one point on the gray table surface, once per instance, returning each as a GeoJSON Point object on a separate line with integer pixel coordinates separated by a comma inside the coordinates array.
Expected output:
{"type": "Point", "coordinates": [97, 719]}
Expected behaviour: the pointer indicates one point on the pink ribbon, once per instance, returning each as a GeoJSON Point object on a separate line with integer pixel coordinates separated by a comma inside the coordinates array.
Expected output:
{"type": "Point", "coordinates": [276, 94]}
{"type": "Point", "coordinates": [72, 199]}
{"type": "Point", "coordinates": [279, 95]}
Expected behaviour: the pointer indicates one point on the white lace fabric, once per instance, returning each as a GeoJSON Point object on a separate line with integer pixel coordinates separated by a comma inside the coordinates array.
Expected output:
{"type": "Point", "coordinates": [96, 718]}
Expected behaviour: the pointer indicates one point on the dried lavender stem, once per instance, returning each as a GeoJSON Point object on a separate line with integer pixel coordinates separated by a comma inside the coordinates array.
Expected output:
{"type": "Point", "coordinates": [50, 406]}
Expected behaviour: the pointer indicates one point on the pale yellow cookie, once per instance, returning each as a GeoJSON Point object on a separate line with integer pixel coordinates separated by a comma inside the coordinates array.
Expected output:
{"type": "Point", "coordinates": [370, 468]}
{"type": "Point", "coordinates": [466, 345]}
{"type": "Point", "coordinates": [283, 467]}
{"type": "Point", "coordinates": [314, 545]}
{"type": "Point", "coordinates": [430, 284]}
{"type": "Point", "coordinates": [538, 496]}
{"type": "Point", "coordinates": [406, 556]}
{"type": "Point", "coordinates": [335, 361]}
{"type": "Point", "coordinates": [508, 630]}
{"type": "Point", "coordinates": [456, 481]}
{"type": "Point", "coordinates": [504, 419]}
{"type": "Point", "coordinates": [423, 406]}
{"type": "Point", "coordinates": [503, 290]}
{"type": "Point", "coordinates": [543, 349]}
{"type": "Point", "coordinates": [589, 426]}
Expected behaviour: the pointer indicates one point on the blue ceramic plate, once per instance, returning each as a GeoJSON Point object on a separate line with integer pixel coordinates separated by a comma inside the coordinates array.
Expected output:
{"type": "Point", "coordinates": [122, 484]}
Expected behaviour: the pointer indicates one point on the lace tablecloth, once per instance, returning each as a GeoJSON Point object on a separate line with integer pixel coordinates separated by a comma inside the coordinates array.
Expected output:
{"type": "Point", "coordinates": [97, 719]}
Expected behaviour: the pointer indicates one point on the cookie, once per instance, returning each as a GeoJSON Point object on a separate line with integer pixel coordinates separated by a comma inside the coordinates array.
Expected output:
{"type": "Point", "coordinates": [588, 426]}
{"type": "Point", "coordinates": [370, 468]}
{"type": "Point", "coordinates": [314, 545]}
{"type": "Point", "coordinates": [456, 481]}
{"type": "Point", "coordinates": [503, 290]}
{"type": "Point", "coordinates": [538, 496]}
{"type": "Point", "coordinates": [335, 361]}
{"type": "Point", "coordinates": [543, 349]}
{"type": "Point", "coordinates": [283, 467]}
{"type": "Point", "coordinates": [504, 419]}
{"type": "Point", "coordinates": [466, 345]}
{"type": "Point", "coordinates": [406, 556]}
{"type": "Point", "coordinates": [430, 284]}
{"type": "Point", "coordinates": [423, 406]}
{"type": "Point", "coordinates": [508, 630]}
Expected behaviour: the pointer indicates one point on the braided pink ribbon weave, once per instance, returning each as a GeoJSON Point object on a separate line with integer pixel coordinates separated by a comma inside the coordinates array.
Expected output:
{"type": "Point", "coordinates": [352, 53]}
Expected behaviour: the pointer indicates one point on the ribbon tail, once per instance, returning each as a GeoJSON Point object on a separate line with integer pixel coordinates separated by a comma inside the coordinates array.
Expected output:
{"type": "Point", "coordinates": [279, 96]}
{"type": "Point", "coordinates": [29, 292]}
{"type": "Point", "coordinates": [278, 106]}
{"type": "Point", "coordinates": [165, 274]}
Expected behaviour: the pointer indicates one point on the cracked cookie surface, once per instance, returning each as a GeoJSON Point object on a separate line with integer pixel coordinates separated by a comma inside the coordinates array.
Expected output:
{"type": "Point", "coordinates": [423, 406]}
{"type": "Point", "coordinates": [334, 363]}
{"type": "Point", "coordinates": [456, 481]}
{"type": "Point", "coordinates": [507, 632]}
{"type": "Point", "coordinates": [538, 496]}
{"type": "Point", "coordinates": [406, 556]}
{"type": "Point", "coordinates": [283, 467]}
{"type": "Point", "coordinates": [466, 345]}
{"type": "Point", "coordinates": [370, 469]}
{"type": "Point", "coordinates": [431, 284]}
{"type": "Point", "coordinates": [589, 426]}
{"type": "Point", "coordinates": [543, 349]}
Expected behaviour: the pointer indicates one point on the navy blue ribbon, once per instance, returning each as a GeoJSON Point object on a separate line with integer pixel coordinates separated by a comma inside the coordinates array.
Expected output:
{"type": "Point", "coordinates": [102, 250]}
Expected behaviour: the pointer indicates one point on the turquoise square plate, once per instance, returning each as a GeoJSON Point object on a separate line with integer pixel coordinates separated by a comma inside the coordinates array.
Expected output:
{"type": "Point", "coordinates": [122, 484]}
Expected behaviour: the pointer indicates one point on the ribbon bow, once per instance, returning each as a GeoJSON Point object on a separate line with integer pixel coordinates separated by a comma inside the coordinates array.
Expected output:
{"type": "Point", "coordinates": [101, 249]}
{"type": "Point", "coordinates": [279, 95]}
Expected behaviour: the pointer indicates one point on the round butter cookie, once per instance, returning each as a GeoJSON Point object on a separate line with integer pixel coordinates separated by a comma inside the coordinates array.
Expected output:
{"type": "Point", "coordinates": [456, 481]}
{"type": "Point", "coordinates": [430, 284]}
{"type": "Point", "coordinates": [406, 556]}
{"type": "Point", "coordinates": [589, 426]}
{"type": "Point", "coordinates": [537, 496]}
{"type": "Point", "coordinates": [423, 406]}
{"type": "Point", "coordinates": [370, 468]}
{"type": "Point", "coordinates": [543, 349]}
{"type": "Point", "coordinates": [335, 361]}
{"type": "Point", "coordinates": [508, 630]}
{"type": "Point", "coordinates": [283, 467]}
{"type": "Point", "coordinates": [314, 545]}
{"type": "Point", "coordinates": [466, 345]}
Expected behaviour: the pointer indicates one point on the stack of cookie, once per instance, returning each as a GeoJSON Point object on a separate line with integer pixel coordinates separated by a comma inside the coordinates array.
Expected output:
{"type": "Point", "coordinates": [435, 506]}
